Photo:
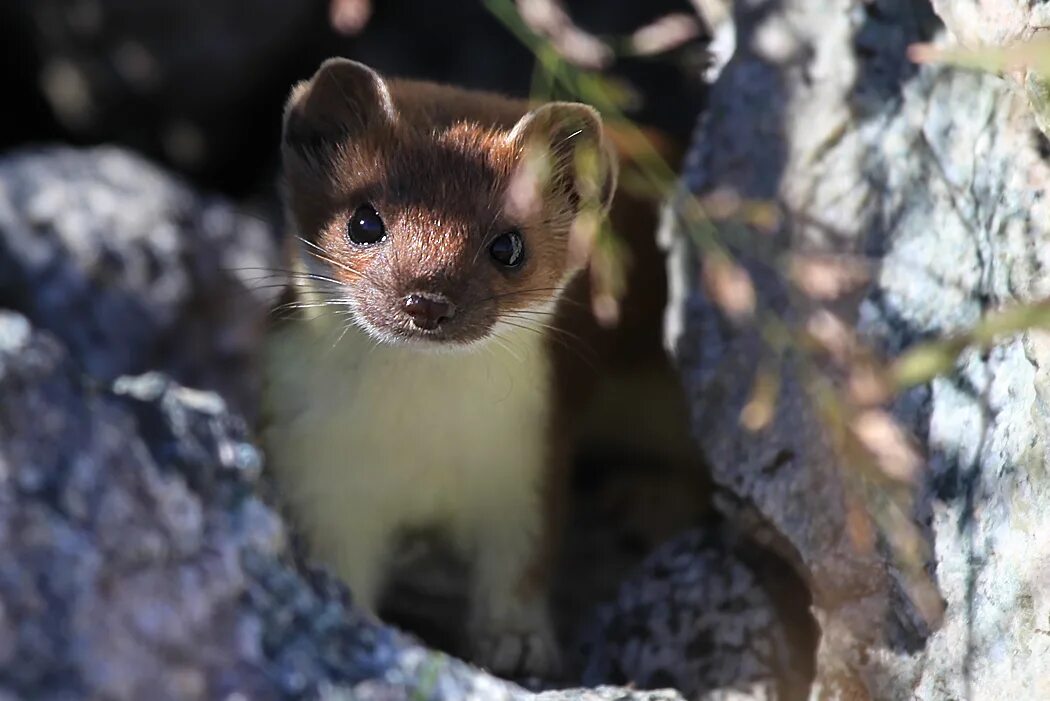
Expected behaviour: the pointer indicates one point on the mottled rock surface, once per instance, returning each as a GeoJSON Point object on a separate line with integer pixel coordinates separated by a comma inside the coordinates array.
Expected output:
{"type": "Point", "coordinates": [140, 562]}
{"type": "Point", "coordinates": [936, 179]}
{"type": "Point", "coordinates": [142, 557]}
{"type": "Point", "coordinates": [133, 270]}
{"type": "Point", "coordinates": [696, 617]}
{"type": "Point", "coordinates": [1004, 23]}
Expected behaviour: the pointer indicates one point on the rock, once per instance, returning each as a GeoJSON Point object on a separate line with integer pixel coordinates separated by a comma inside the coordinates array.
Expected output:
{"type": "Point", "coordinates": [1003, 23]}
{"type": "Point", "coordinates": [141, 563]}
{"type": "Point", "coordinates": [695, 617]}
{"type": "Point", "coordinates": [119, 581]}
{"type": "Point", "coordinates": [934, 180]}
{"type": "Point", "coordinates": [132, 270]}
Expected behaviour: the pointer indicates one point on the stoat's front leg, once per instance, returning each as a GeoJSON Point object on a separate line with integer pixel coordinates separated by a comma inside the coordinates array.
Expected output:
{"type": "Point", "coordinates": [511, 631]}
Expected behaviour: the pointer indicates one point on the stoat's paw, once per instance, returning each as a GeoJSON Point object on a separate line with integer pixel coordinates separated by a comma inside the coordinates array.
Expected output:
{"type": "Point", "coordinates": [517, 652]}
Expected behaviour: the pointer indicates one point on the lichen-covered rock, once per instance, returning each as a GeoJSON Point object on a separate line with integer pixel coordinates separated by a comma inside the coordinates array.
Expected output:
{"type": "Point", "coordinates": [999, 23]}
{"type": "Point", "coordinates": [994, 23]}
{"type": "Point", "coordinates": [139, 561]}
{"type": "Point", "coordinates": [695, 617]}
{"type": "Point", "coordinates": [117, 580]}
{"type": "Point", "coordinates": [936, 179]}
{"type": "Point", "coordinates": [134, 271]}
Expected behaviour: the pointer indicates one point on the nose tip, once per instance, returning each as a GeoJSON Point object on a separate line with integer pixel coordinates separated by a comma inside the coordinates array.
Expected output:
{"type": "Point", "coordinates": [428, 311]}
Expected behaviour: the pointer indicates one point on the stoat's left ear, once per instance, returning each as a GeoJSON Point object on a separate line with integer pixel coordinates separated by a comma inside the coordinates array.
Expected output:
{"type": "Point", "coordinates": [343, 100]}
{"type": "Point", "coordinates": [568, 140]}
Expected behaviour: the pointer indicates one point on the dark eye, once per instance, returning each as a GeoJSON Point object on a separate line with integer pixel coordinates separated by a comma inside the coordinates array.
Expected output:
{"type": "Point", "coordinates": [365, 226]}
{"type": "Point", "coordinates": [508, 249]}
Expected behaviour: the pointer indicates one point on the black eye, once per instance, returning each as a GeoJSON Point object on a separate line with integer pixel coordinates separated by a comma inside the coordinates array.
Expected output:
{"type": "Point", "coordinates": [365, 226]}
{"type": "Point", "coordinates": [508, 249]}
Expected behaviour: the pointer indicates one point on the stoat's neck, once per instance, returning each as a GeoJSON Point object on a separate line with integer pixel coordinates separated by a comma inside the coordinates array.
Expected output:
{"type": "Point", "coordinates": [324, 359]}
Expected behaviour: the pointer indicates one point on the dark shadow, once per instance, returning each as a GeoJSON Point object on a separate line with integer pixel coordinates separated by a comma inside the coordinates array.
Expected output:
{"type": "Point", "coordinates": [236, 126]}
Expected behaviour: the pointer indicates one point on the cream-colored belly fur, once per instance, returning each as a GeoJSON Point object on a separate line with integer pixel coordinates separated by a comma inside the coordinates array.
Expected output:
{"type": "Point", "coordinates": [368, 439]}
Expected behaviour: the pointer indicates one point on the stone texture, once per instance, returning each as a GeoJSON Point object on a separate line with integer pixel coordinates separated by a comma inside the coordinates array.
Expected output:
{"type": "Point", "coordinates": [995, 23]}
{"type": "Point", "coordinates": [1003, 23]}
{"type": "Point", "coordinates": [936, 179]}
{"type": "Point", "coordinates": [134, 271]}
{"type": "Point", "coordinates": [141, 563]}
{"type": "Point", "coordinates": [696, 617]}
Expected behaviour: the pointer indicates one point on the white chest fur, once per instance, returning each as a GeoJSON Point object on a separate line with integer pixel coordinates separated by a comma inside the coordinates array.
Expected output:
{"type": "Point", "coordinates": [366, 439]}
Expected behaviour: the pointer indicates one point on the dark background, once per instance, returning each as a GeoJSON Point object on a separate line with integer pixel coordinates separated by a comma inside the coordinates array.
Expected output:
{"type": "Point", "coordinates": [199, 85]}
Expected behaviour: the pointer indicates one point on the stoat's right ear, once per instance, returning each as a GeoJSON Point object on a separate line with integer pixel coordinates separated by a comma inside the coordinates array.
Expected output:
{"type": "Point", "coordinates": [342, 100]}
{"type": "Point", "coordinates": [568, 140]}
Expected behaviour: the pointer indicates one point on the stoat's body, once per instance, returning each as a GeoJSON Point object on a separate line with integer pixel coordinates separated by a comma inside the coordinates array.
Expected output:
{"type": "Point", "coordinates": [370, 440]}
{"type": "Point", "coordinates": [423, 385]}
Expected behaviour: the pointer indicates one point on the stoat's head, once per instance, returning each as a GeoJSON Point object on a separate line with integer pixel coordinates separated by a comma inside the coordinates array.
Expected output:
{"type": "Point", "coordinates": [437, 234]}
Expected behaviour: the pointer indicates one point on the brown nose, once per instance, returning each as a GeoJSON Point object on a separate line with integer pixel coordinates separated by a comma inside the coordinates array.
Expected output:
{"type": "Point", "coordinates": [428, 311]}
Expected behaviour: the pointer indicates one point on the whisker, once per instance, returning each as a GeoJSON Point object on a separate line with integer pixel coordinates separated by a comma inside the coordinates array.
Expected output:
{"type": "Point", "coordinates": [519, 292]}
{"type": "Point", "coordinates": [327, 286]}
{"type": "Point", "coordinates": [504, 343]}
{"type": "Point", "coordinates": [376, 281]}
{"type": "Point", "coordinates": [324, 302]}
{"type": "Point", "coordinates": [333, 261]}
{"type": "Point", "coordinates": [288, 274]}
{"type": "Point", "coordinates": [346, 328]}
{"type": "Point", "coordinates": [570, 137]}
{"type": "Point", "coordinates": [549, 327]}
{"type": "Point", "coordinates": [560, 336]}
{"type": "Point", "coordinates": [563, 299]}
{"type": "Point", "coordinates": [297, 306]}
{"type": "Point", "coordinates": [538, 312]}
{"type": "Point", "coordinates": [323, 255]}
{"type": "Point", "coordinates": [490, 235]}
{"type": "Point", "coordinates": [486, 239]}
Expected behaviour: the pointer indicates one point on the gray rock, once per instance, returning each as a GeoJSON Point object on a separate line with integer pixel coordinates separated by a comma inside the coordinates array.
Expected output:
{"type": "Point", "coordinates": [140, 562]}
{"type": "Point", "coordinates": [937, 179]}
{"type": "Point", "coordinates": [118, 581]}
{"type": "Point", "coordinates": [696, 618]}
{"type": "Point", "coordinates": [1003, 23]}
{"type": "Point", "coordinates": [132, 270]}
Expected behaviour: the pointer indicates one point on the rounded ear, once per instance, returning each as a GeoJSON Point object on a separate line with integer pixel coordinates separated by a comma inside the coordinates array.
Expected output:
{"type": "Point", "coordinates": [567, 139]}
{"type": "Point", "coordinates": [343, 99]}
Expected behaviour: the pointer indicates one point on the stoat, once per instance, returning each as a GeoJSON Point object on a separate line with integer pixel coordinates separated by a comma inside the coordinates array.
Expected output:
{"type": "Point", "coordinates": [435, 382]}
